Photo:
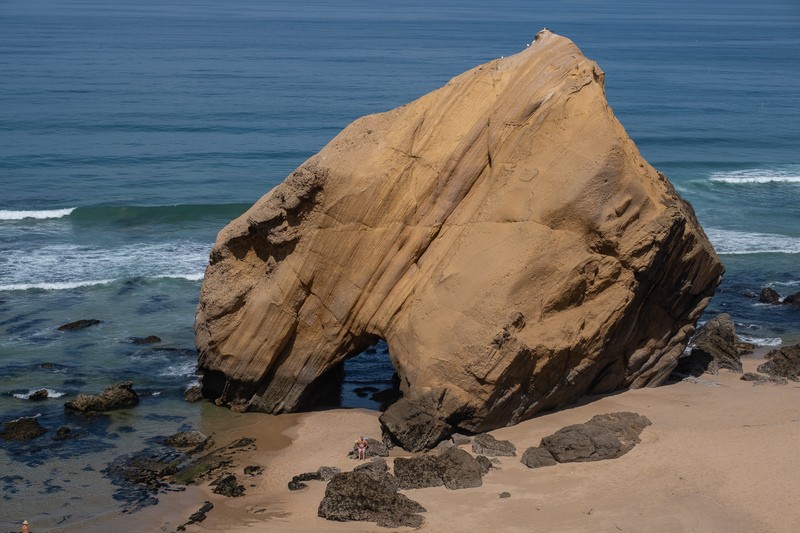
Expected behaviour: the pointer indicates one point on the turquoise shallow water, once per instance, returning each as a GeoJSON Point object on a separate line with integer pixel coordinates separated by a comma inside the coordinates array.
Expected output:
{"type": "Point", "coordinates": [131, 132]}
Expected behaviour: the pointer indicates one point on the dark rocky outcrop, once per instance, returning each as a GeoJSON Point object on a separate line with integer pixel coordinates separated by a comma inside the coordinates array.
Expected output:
{"type": "Point", "coordinates": [769, 296]}
{"type": "Point", "coordinates": [714, 348]}
{"type": "Point", "coordinates": [63, 433]}
{"type": "Point", "coordinates": [377, 448]}
{"type": "Point", "coordinates": [193, 394]}
{"type": "Point", "coordinates": [758, 379]}
{"type": "Point", "coordinates": [454, 468]}
{"type": "Point", "coordinates": [323, 473]}
{"type": "Point", "coordinates": [486, 444]}
{"type": "Point", "coordinates": [39, 395]}
{"type": "Point", "coordinates": [227, 485]}
{"type": "Point", "coordinates": [253, 470]}
{"type": "Point", "coordinates": [783, 362]}
{"type": "Point", "coordinates": [187, 439]}
{"type": "Point", "coordinates": [150, 339]}
{"type": "Point", "coordinates": [357, 496]}
{"type": "Point", "coordinates": [25, 428]}
{"type": "Point", "coordinates": [603, 437]}
{"type": "Point", "coordinates": [117, 396]}
{"type": "Point", "coordinates": [198, 516]}
{"type": "Point", "coordinates": [79, 324]}
{"type": "Point", "coordinates": [537, 457]}
{"type": "Point", "coordinates": [377, 235]}
{"type": "Point", "coordinates": [792, 300]}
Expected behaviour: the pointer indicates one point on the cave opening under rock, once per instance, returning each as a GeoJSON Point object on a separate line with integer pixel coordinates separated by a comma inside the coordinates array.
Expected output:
{"type": "Point", "coordinates": [366, 380]}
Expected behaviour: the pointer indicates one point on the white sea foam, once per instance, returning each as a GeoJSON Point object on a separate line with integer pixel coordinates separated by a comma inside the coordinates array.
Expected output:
{"type": "Point", "coordinates": [36, 214]}
{"type": "Point", "coordinates": [762, 341]}
{"type": "Point", "coordinates": [68, 266]}
{"type": "Point", "coordinates": [54, 286]}
{"type": "Point", "coordinates": [182, 369]}
{"type": "Point", "coordinates": [790, 174]}
{"type": "Point", "coordinates": [741, 242]}
{"type": "Point", "coordinates": [50, 394]}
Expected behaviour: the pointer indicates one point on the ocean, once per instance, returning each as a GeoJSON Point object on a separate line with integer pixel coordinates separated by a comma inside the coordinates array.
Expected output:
{"type": "Point", "coordinates": [132, 132]}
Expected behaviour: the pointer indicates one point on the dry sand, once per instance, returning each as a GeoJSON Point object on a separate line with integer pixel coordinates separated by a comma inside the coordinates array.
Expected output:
{"type": "Point", "coordinates": [721, 455]}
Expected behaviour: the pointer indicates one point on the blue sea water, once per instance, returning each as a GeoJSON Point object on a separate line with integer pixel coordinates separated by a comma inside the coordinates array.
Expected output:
{"type": "Point", "coordinates": [131, 132]}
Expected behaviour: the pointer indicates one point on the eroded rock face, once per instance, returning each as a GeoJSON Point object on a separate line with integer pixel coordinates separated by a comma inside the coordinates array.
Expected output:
{"type": "Point", "coordinates": [502, 234]}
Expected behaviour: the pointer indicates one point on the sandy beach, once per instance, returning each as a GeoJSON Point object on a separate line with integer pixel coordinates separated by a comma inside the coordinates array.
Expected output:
{"type": "Point", "coordinates": [719, 456]}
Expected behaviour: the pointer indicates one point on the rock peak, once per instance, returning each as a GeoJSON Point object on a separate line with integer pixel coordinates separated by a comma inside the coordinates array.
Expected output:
{"type": "Point", "coordinates": [502, 234]}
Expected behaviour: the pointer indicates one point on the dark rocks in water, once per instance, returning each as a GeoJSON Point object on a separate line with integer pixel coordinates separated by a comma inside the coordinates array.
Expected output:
{"type": "Point", "coordinates": [118, 396]}
{"type": "Point", "coordinates": [758, 379]}
{"type": "Point", "coordinates": [39, 395]}
{"type": "Point", "coordinates": [386, 397]}
{"type": "Point", "coordinates": [377, 448]}
{"type": "Point", "coordinates": [454, 468]}
{"type": "Point", "coordinates": [792, 300]}
{"type": "Point", "coordinates": [63, 433]}
{"type": "Point", "coordinates": [783, 362]}
{"type": "Point", "coordinates": [25, 428]}
{"type": "Point", "coordinates": [603, 437]}
{"type": "Point", "coordinates": [486, 444]}
{"type": "Point", "coordinates": [79, 324]}
{"type": "Point", "coordinates": [769, 296]}
{"type": "Point", "coordinates": [193, 393]}
{"type": "Point", "coordinates": [356, 496]}
{"type": "Point", "coordinates": [227, 485]}
{"type": "Point", "coordinates": [205, 465]}
{"type": "Point", "coordinates": [150, 339]}
{"type": "Point", "coordinates": [241, 443]}
{"type": "Point", "coordinates": [714, 348]}
{"type": "Point", "coordinates": [147, 468]}
{"type": "Point", "coordinates": [363, 392]}
{"type": "Point", "coordinates": [536, 457]}
{"type": "Point", "coordinates": [253, 470]}
{"type": "Point", "coordinates": [197, 516]}
{"type": "Point", "coordinates": [749, 294]}
{"type": "Point", "coordinates": [187, 439]}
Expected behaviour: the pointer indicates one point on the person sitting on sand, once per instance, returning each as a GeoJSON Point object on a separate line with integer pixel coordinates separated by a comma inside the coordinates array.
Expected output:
{"type": "Point", "coordinates": [361, 447]}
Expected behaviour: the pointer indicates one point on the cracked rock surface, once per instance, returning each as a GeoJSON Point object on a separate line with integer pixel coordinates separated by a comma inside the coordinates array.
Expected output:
{"type": "Point", "coordinates": [502, 234]}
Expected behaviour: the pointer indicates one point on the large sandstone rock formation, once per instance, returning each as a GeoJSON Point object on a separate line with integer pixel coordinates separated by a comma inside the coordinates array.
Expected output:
{"type": "Point", "coordinates": [502, 234]}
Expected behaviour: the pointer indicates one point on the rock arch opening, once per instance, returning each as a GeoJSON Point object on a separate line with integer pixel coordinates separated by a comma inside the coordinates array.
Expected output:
{"type": "Point", "coordinates": [365, 380]}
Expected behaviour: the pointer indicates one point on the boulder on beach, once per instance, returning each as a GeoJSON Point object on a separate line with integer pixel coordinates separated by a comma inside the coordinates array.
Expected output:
{"type": "Point", "coordinates": [118, 396]}
{"type": "Point", "coordinates": [454, 468]}
{"type": "Point", "coordinates": [537, 457]}
{"type": "Point", "coordinates": [783, 362]}
{"type": "Point", "coordinates": [377, 448]}
{"type": "Point", "coordinates": [356, 496]}
{"type": "Point", "coordinates": [502, 234]}
{"type": "Point", "coordinates": [603, 437]}
{"type": "Point", "coordinates": [486, 444]}
{"type": "Point", "coordinates": [714, 348]}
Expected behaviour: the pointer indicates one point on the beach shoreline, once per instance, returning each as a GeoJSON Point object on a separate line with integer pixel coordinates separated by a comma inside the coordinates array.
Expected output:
{"type": "Point", "coordinates": [718, 456]}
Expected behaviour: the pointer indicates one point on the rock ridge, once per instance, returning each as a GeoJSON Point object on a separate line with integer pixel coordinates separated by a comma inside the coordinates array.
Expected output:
{"type": "Point", "coordinates": [502, 234]}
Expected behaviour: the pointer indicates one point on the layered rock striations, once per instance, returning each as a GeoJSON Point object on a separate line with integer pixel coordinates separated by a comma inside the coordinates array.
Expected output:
{"type": "Point", "coordinates": [502, 234]}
